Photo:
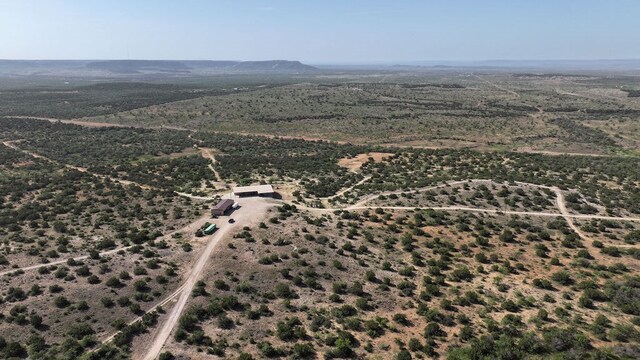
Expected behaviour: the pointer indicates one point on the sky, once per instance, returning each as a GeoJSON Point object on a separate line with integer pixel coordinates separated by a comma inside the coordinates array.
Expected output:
{"type": "Point", "coordinates": [321, 31]}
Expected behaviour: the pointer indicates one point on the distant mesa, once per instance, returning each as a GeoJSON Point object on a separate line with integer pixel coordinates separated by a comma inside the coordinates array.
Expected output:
{"type": "Point", "coordinates": [274, 65]}
{"type": "Point", "coordinates": [195, 67]}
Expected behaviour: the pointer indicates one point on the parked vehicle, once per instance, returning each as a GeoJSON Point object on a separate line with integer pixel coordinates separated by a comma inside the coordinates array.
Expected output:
{"type": "Point", "coordinates": [210, 229]}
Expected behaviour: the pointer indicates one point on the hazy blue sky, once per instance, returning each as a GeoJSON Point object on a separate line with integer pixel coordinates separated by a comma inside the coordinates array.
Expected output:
{"type": "Point", "coordinates": [320, 31]}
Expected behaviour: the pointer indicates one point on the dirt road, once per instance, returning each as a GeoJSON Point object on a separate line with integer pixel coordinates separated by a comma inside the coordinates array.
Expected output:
{"type": "Point", "coordinates": [207, 154]}
{"type": "Point", "coordinates": [499, 87]}
{"type": "Point", "coordinates": [428, 188]}
{"type": "Point", "coordinates": [189, 228]}
{"type": "Point", "coordinates": [94, 124]}
{"type": "Point", "coordinates": [250, 211]}
{"type": "Point", "coordinates": [494, 211]}
{"type": "Point", "coordinates": [560, 204]}
{"type": "Point", "coordinates": [63, 261]}
{"type": "Point", "coordinates": [12, 145]}
{"type": "Point", "coordinates": [88, 123]}
{"type": "Point", "coordinates": [345, 190]}
{"type": "Point", "coordinates": [164, 301]}
{"type": "Point", "coordinates": [270, 136]}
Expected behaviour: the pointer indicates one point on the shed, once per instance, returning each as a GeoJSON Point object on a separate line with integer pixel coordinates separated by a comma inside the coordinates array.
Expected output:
{"type": "Point", "coordinates": [221, 207]}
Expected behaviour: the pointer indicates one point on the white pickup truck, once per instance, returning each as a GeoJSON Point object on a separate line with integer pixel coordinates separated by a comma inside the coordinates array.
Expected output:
{"type": "Point", "coordinates": [235, 205]}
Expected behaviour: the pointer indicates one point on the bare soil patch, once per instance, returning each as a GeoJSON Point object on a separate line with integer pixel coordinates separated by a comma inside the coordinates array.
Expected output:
{"type": "Point", "coordinates": [355, 163]}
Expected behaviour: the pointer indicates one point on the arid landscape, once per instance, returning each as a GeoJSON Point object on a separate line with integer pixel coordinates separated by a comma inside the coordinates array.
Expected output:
{"type": "Point", "coordinates": [457, 214]}
{"type": "Point", "coordinates": [370, 180]}
{"type": "Point", "coordinates": [592, 113]}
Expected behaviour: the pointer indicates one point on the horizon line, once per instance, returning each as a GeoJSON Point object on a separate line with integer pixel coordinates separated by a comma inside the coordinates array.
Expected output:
{"type": "Point", "coordinates": [370, 62]}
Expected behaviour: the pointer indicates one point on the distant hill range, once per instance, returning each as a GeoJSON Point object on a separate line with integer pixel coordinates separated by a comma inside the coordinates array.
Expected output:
{"type": "Point", "coordinates": [148, 67]}
{"type": "Point", "coordinates": [526, 65]}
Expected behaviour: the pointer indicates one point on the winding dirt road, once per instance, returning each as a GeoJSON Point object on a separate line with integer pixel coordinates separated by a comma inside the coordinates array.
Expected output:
{"type": "Point", "coordinates": [164, 332]}
{"type": "Point", "coordinates": [254, 209]}
{"type": "Point", "coordinates": [369, 198]}
{"type": "Point", "coordinates": [207, 154]}
{"type": "Point", "coordinates": [560, 203]}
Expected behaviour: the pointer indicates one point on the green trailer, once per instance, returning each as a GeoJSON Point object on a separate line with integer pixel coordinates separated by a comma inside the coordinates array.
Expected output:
{"type": "Point", "coordinates": [210, 229]}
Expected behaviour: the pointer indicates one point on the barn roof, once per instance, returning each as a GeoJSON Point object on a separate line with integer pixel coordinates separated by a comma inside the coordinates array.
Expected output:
{"type": "Point", "coordinates": [223, 204]}
{"type": "Point", "coordinates": [259, 189]}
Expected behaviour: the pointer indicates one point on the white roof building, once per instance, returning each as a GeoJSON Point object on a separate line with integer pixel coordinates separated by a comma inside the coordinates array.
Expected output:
{"type": "Point", "coordinates": [254, 190]}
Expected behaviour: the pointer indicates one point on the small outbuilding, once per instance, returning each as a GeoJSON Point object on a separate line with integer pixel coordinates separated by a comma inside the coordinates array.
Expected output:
{"type": "Point", "coordinates": [222, 207]}
{"type": "Point", "coordinates": [255, 190]}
